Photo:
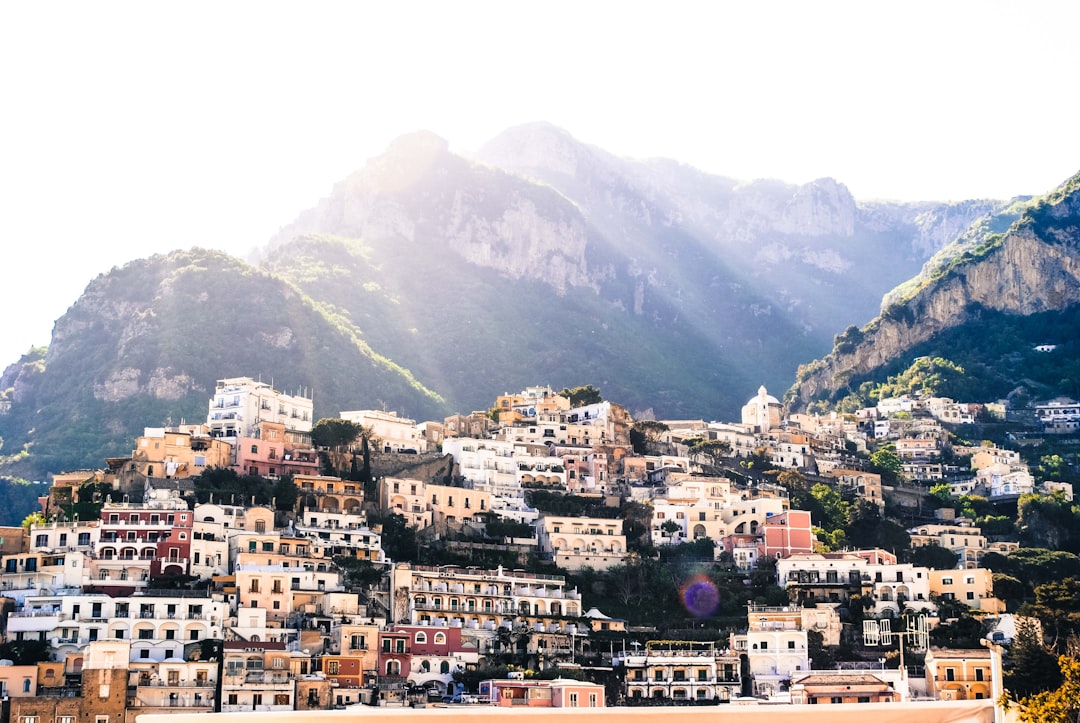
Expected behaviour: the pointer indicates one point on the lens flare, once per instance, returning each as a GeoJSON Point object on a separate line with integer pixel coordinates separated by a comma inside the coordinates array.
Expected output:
{"type": "Point", "coordinates": [700, 596]}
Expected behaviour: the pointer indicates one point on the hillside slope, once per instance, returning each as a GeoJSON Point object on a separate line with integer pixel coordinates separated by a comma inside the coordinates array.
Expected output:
{"type": "Point", "coordinates": [145, 343]}
{"type": "Point", "coordinates": [1025, 262]}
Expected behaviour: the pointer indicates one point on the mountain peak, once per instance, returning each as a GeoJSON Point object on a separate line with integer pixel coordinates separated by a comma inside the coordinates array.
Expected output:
{"type": "Point", "coordinates": [539, 145]}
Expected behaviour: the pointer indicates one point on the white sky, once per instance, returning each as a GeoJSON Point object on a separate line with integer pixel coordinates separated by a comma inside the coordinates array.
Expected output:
{"type": "Point", "coordinates": [131, 128]}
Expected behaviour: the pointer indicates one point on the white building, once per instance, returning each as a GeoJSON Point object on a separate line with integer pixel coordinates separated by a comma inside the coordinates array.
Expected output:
{"type": "Point", "coordinates": [395, 434]}
{"type": "Point", "coordinates": [240, 404]}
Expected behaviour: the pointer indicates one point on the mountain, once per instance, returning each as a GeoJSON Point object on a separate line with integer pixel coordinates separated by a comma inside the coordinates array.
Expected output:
{"type": "Point", "coordinates": [145, 344]}
{"type": "Point", "coordinates": [429, 282]}
{"type": "Point", "coordinates": [1009, 282]}
{"type": "Point", "coordinates": [544, 258]}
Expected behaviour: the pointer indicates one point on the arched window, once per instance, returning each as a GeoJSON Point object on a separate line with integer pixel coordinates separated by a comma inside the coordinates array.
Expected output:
{"type": "Point", "coordinates": [420, 638]}
{"type": "Point", "coordinates": [440, 638]}
{"type": "Point", "coordinates": [444, 667]}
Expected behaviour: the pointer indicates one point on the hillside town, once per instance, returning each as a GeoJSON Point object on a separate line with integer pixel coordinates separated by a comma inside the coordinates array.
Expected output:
{"type": "Point", "coordinates": [462, 561]}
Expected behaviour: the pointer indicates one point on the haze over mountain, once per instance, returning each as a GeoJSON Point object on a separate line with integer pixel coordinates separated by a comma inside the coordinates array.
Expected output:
{"type": "Point", "coordinates": [428, 283]}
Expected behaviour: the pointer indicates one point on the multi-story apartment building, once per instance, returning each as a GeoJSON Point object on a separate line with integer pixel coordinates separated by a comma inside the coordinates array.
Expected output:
{"type": "Point", "coordinates": [788, 533]}
{"type": "Point", "coordinates": [476, 599]}
{"type": "Point", "coordinates": [1001, 480]}
{"type": "Point", "coordinates": [29, 573]}
{"type": "Point", "coordinates": [573, 543]}
{"type": "Point", "coordinates": [184, 451]}
{"type": "Point", "coordinates": [340, 534]}
{"type": "Point", "coordinates": [257, 676]}
{"type": "Point", "coordinates": [328, 494]}
{"type": "Point", "coordinates": [239, 404]}
{"type": "Point", "coordinates": [681, 671]}
{"type": "Point", "coordinates": [273, 450]}
{"type": "Point", "coordinates": [709, 507]}
{"type": "Point", "coordinates": [824, 577]}
{"type": "Point", "coordinates": [474, 425]}
{"type": "Point", "coordinates": [157, 623]}
{"type": "Point", "coordinates": [918, 449]}
{"type": "Point", "coordinates": [171, 686]}
{"type": "Point", "coordinates": [408, 498]}
{"type": "Point", "coordinates": [1059, 416]}
{"type": "Point", "coordinates": [774, 644]}
{"type": "Point", "coordinates": [436, 654]}
{"type": "Point", "coordinates": [962, 538]}
{"type": "Point", "coordinates": [280, 575]}
{"type": "Point", "coordinates": [140, 540]}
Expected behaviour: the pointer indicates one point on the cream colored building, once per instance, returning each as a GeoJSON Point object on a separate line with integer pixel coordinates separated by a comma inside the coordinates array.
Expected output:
{"type": "Point", "coordinates": [394, 433]}
{"type": "Point", "coordinates": [574, 543]}
{"type": "Point", "coordinates": [965, 540]}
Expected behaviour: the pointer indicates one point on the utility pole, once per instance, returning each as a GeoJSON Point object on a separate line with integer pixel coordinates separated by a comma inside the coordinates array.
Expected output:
{"type": "Point", "coordinates": [880, 632]}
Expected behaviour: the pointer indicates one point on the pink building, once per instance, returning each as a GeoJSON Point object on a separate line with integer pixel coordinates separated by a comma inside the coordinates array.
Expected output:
{"type": "Point", "coordinates": [788, 533]}
{"type": "Point", "coordinates": [560, 693]}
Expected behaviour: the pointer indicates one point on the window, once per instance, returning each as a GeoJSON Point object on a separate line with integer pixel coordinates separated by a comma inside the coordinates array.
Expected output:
{"type": "Point", "coordinates": [332, 667]}
{"type": "Point", "coordinates": [978, 674]}
{"type": "Point", "coordinates": [950, 674]}
{"type": "Point", "coordinates": [281, 699]}
{"type": "Point", "coordinates": [573, 700]}
{"type": "Point", "coordinates": [791, 644]}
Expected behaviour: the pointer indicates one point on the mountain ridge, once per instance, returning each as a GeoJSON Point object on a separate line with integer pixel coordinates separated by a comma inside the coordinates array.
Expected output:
{"type": "Point", "coordinates": [426, 278]}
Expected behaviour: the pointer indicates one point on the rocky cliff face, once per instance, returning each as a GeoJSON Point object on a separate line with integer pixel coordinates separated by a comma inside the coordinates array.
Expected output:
{"type": "Point", "coordinates": [1033, 267]}
{"type": "Point", "coordinates": [418, 193]}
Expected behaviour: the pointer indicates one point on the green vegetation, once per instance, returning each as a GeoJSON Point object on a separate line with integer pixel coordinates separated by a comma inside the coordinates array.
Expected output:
{"type": "Point", "coordinates": [582, 396]}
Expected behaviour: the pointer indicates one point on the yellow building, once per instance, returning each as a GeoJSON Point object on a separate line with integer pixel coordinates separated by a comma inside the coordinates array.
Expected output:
{"type": "Point", "coordinates": [958, 674]}
{"type": "Point", "coordinates": [974, 588]}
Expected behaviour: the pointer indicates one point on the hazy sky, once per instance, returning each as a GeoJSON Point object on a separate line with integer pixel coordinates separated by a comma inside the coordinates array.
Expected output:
{"type": "Point", "coordinates": [132, 128]}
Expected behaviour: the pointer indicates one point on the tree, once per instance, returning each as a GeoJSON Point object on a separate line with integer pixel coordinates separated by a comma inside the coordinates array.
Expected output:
{"type": "Point", "coordinates": [709, 452]}
{"type": "Point", "coordinates": [1008, 588]}
{"type": "Point", "coordinates": [885, 463]}
{"type": "Point", "coordinates": [1060, 705]}
{"type": "Point", "coordinates": [867, 528]}
{"type": "Point", "coordinates": [1029, 665]}
{"type": "Point", "coordinates": [670, 527]}
{"type": "Point", "coordinates": [582, 396]}
{"type": "Point", "coordinates": [334, 433]}
{"type": "Point", "coordinates": [645, 433]}
{"type": "Point", "coordinates": [795, 483]}
{"type": "Point", "coordinates": [285, 493]}
{"type": "Point", "coordinates": [34, 518]}
{"type": "Point", "coordinates": [833, 508]}
{"type": "Point", "coordinates": [943, 493]}
{"type": "Point", "coordinates": [935, 557]}
{"type": "Point", "coordinates": [25, 652]}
